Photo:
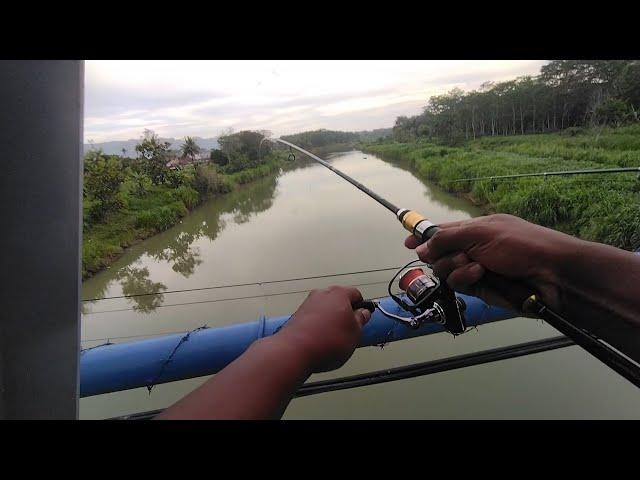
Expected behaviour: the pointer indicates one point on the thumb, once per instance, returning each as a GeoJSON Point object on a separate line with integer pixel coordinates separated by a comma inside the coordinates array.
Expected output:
{"type": "Point", "coordinates": [362, 316]}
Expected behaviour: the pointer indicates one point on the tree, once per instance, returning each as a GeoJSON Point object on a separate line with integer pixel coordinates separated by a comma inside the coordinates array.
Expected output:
{"type": "Point", "coordinates": [124, 152]}
{"type": "Point", "coordinates": [218, 157]}
{"type": "Point", "coordinates": [244, 149]}
{"type": "Point", "coordinates": [612, 112]}
{"type": "Point", "coordinates": [566, 93]}
{"type": "Point", "coordinates": [628, 86]}
{"type": "Point", "coordinates": [154, 157]}
{"type": "Point", "coordinates": [103, 176]}
{"type": "Point", "coordinates": [321, 138]}
{"type": "Point", "coordinates": [190, 148]}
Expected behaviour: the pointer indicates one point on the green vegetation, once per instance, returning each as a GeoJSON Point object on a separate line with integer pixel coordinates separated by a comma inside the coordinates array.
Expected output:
{"type": "Point", "coordinates": [604, 208]}
{"type": "Point", "coordinates": [323, 141]}
{"type": "Point", "coordinates": [322, 138]}
{"type": "Point", "coordinates": [189, 148]}
{"type": "Point", "coordinates": [127, 200]}
{"type": "Point", "coordinates": [562, 119]}
{"type": "Point", "coordinates": [102, 177]}
{"type": "Point", "coordinates": [154, 156]}
{"type": "Point", "coordinates": [566, 94]}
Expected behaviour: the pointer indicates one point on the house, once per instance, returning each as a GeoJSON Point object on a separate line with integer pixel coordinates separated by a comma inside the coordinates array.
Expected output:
{"type": "Point", "coordinates": [178, 161]}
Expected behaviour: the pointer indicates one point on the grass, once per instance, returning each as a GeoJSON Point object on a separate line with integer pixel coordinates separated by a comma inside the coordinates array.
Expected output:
{"type": "Point", "coordinates": [603, 208]}
{"type": "Point", "coordinates": [159, 209]}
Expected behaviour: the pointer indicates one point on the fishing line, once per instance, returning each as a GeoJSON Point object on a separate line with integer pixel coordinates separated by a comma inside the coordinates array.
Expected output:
{"type": "Point", "coordinates": [225, 299]}
{"type": "Point", "coordinates": [550, 174]}
{"type": "Point", "coordinates": [266, 282]}
{"type": "Point", "coordinates": [155, 334]}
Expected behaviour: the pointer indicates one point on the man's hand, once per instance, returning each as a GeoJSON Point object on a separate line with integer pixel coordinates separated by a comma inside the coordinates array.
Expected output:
{"type": "Point", "coordinates": [514, 248]}
{"type": "Point", "coordinates": [326, 327]}
{"type": "Point", "coordinates": [320, 336]}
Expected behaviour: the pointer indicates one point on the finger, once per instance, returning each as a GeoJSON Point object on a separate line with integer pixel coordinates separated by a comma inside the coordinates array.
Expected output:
{"type": "Point", "coordinates": [449, 240]}
{"type": "Point", "coordinates": [463, 278]}
{"type": "Point", "coordinates": [459, 223]}
{"type": "Point", "coordinates": [481, 290]}
{"type": "Point", "coordinates": [446, 225]}
{"type": "Point", "coordinates": [362, 316]}
{"type": "Point", "coordinates": [352, 293]}
{"type": "Point", "coordinates": [469, 280]}
{"type": "Point", "coordinates": [411, 242]}
{"type": "Point", "coordinates": [447, 264]}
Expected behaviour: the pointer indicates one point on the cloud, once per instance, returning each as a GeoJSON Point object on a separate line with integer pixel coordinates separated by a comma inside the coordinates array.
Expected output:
{"type": "Point", "coordinates": [177, 98]}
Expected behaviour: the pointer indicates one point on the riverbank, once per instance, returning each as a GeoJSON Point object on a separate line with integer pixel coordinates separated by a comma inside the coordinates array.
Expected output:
{"type": "Point", "coordinates": [603, 208]}
{"type": "Point", "coordinates": [158, 209]}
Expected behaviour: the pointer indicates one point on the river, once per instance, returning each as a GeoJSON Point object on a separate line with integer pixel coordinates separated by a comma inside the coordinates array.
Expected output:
{"type": "Point", "coordinates": [308, 222]}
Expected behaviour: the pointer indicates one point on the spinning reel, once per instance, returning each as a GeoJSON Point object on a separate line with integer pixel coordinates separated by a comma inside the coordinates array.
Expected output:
{"type": "Point", "coordinates": [427, 299]}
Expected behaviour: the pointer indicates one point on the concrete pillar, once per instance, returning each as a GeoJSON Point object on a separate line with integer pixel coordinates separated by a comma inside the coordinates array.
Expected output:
{"type": "Point", "coordinates": [41, 120]}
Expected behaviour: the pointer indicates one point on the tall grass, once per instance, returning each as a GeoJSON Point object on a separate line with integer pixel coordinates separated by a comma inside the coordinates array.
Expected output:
{"type": "Point", "coordinates": [603, 208]}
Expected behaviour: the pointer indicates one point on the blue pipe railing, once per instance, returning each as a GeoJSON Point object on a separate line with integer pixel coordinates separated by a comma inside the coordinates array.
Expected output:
{"type": "Point", "coordinates": [205, 351]}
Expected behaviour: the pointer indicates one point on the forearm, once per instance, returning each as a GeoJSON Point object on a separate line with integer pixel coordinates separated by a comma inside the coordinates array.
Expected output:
{"type": "Point", "coordinates": [258, 385]}
{"type": "Point", "coordinates": [605, 276]}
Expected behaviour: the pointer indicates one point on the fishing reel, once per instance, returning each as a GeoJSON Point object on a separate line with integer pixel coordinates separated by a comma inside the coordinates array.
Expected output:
{"type": "Point", "coordinates": [427, 299]}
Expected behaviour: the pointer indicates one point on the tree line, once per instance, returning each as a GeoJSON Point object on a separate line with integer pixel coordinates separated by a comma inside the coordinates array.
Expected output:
{"type": "Point", "coordinates": [105, 174]}
{"type": "Point", "coordinates": [323, 138]}
{"type": "Point", "coordinates": [566, 93]}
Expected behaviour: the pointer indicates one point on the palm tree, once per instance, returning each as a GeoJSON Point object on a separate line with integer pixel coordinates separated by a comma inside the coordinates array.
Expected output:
{"type": "Point", "coordinates": [190, 148]}
{"type": "Point", "coordinates": [124, 152]}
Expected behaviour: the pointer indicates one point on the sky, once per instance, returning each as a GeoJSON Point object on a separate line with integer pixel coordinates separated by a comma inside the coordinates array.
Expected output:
{"type": "Point", "coordinates": [203, 98]}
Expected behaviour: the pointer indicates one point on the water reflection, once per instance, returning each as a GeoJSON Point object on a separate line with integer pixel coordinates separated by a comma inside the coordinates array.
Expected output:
{"type": "Point", "coordinates": [135, 280]}
{"type": "Point", "coordinates": [179, 253]}
{"type": "Point", "coordinates": [177, 246]}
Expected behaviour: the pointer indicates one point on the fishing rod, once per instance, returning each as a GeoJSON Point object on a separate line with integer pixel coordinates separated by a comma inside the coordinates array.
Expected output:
{"type": "Point", "coordinates": [431, 300]}
{"type": "Point", "coordinates": [550, 174]}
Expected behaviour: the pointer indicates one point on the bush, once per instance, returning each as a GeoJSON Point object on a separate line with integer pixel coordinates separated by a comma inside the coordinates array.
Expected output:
{"type": "Point", "coordinates": [95, 255]}
{"type": "Point", "coordinates": [572, 131]}
{"type": "Point", "coordinates": [218, 157]}
{"type": "Point", "coordinates": [248, 175]}
{"type": "Point", "coordinates": [206, 181]}
{"type": "Point", "coordinates": [186, 195]}
{"type": "Point", "coordinates": [175, 178]}
{"type": "Point", "coordinates": [139, 181]}
{"type": "Point", "coordinates": [161, 218]}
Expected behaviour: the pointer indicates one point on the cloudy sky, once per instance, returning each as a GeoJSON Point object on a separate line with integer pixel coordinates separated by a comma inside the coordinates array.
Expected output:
{"type": "Point", "coordinates": [201, 98]}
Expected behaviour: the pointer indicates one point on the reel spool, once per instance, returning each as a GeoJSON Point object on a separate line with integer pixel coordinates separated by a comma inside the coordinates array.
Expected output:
{"type": "Point", "coordinates": [427, 299]}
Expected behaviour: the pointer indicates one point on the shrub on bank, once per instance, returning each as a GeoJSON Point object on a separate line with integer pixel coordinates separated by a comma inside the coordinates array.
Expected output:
{"type": "Point", "coordinates": [161, 218]}
{"type": "Point", "coordinates": [187, 195]}
{"type": "Point", "coordinates": [246, 176]}
{"type": "Point", "coordinates": [95, 255]}
{"type": "Point", "coordinates": [207, 181]}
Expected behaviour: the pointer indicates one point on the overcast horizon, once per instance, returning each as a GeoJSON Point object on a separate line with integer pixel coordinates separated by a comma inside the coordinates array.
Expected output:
{"type": "Point", "coordinates": [203, 98]}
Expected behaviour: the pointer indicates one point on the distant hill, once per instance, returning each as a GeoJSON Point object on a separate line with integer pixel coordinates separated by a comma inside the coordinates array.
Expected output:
{"type": "Point", "coordinates": [115, 147]}
{"type": "Point", "coordinates": [315, 138]}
